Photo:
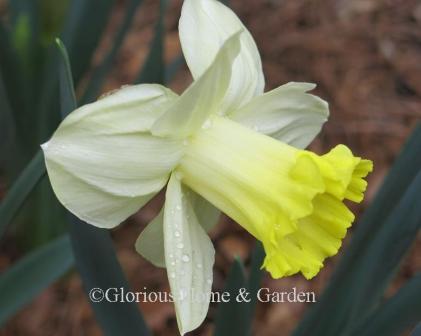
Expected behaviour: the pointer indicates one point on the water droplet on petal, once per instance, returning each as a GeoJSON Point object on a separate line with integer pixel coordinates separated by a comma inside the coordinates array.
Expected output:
{"type": "Point", "coordinates": [177, 234]}
{"type": "Point", "coordinates": [185, 258]}
{"type": "Point", "coordinates": [180, 245]}
{"type": "Point", "coordinates": [209, 281]}
{"type": "Point", "coordinates": [207, 124]}
{"type": "Point", "coordinates": [178, 207]}
{"type": "Point", "coordinates": [172, 275]}
{"type": "Point", "coordinates": [199, 266]}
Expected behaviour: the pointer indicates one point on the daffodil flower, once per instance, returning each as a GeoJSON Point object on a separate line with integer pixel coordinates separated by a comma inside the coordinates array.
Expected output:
{"type": "Point", "coordinates": [223, 144]}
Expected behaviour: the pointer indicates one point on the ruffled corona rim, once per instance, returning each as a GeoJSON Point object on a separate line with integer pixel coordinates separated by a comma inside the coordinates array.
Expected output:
{"type": "Point", "coordinates": [290, 199]}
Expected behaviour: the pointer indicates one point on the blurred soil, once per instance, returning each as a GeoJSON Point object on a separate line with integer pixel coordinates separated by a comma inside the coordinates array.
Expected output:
{"type": "Point", "coordinates": [364, 56]}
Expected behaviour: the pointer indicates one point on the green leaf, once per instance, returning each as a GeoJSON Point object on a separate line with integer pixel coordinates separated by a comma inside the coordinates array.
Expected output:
{"type": "Point", "coordinates": [417, 330]}
{"type": "Point", "coordinates": [255, 277]}
{"type": "Point", "coordinates": [52, 15]}
{"type": "Point", "coordinates": [339, 297]}
{"type": "Point", "coordinates": [25, 31]}
{"type": "Point", "coordinates": [82, 31]}
{"type": "Point", "coordinates": [67, 94]}
{"type": "Point", "coordinates": [386, 251]}
{"type": "Point", "coordinates": [396, 315]}
{"type": "Point", "coordinates": [20, 190]}
{"type": "Point", "coordinates": [230, 317]}
{"type": "Point", "coordinates": [8, 150]}
{"type": "Point", "coordinates": [32, 274]}
{"type": "Point", "coordinates": [175, 65]}
{"type": "Point", "coordinates": [241, 312]}
{"type": "Point", "coordinates": [102, 70]}
{"type": "Point", "coordinates": [100, 269]}
{"type": "Point", "coordinates": [14, 85]}
{"type": "Point", "coordinates": [153, 70]}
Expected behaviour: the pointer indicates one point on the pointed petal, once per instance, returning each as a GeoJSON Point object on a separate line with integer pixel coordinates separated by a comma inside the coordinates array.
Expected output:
{"type": "Point", "coordinates": [207, 214]}
{"type": "Point", "coordinates": [287, 113]}
{"type": "Point", "coordinates": [150, 243]}
{"type": "Point", "coordinates": [202, 98]}
{"type": "Point", "coordinates": [189, 256]}
{"type": "Point", "coordinates": [204, 26]}
{"type": "Point", "coordinates": [102, 165]}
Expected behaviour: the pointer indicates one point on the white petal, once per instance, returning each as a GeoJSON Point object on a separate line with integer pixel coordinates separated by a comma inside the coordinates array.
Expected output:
{"type": "Point", "coordinates": [89, 203]}
{"type": "Point", "coordinates": [137, 107]}
{"type": "Point", "coordinates": [150, 243]}
{"type": "Point", "coordinates": [202, 98]}
{"type": "Point", "coordinates": [189, 256]}
{"type": "Point", "coordinates": [204, 26]}
{"type": "Point", "coordinates": [287, 113]}
{"type": "Point", "coordinates": [207, 214]}
{"type": "Point", "coordinates": [102, 165]}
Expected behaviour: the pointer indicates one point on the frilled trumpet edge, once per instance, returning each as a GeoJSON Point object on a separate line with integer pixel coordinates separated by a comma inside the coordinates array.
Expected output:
{"type": "Point", "coordinates": [290, 199]}
{"type": "Point", "coordinates": [319, 235]}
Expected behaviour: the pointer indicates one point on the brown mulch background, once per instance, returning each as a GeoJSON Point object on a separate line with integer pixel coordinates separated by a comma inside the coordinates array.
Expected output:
{"type": "Point", "coordinates": [364, 56]}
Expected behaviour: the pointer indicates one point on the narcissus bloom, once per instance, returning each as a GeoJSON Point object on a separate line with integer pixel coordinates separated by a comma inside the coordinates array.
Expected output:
{"type": "Point", "coordinates": [223, 144]}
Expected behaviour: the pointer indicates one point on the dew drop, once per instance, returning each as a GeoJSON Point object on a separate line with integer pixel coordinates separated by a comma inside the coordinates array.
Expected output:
{"type": "Point", "coordinates": [173, 263]}
{"type": "Point", "coordinates": [207, 124]}
{"type": "Point", "coordinates": [180, 245]}
{"type": "Point", "coordinates": [199, 266]}
{"type": "Point", "coordinates": [178, 207]}
{"type": "Point", "coordinates": [177, 234]}
{"type": "Point", "coordinates": [172, 275]}
{"type": "Point", "coordinates": [185, 258]}
{"type": "Point", "coordinates": [209, 281]}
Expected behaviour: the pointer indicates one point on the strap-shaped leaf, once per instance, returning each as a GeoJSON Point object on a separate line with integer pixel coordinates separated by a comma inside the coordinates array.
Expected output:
{"type": "Point", "coordinates": [417, 330]}
{"type": "Point", "coordinates": [255, 277]}
{"type": "Point", "coordinates": [98, 266]}
{"type": "Point", "coordinates": [13, 81]}
{"type": "Point", "coordinates": [396, 315]}
{"type": "Point", "coordinates": [95, 257]}
{"type": "Point", "coordinates": [20, 190]}
{"type": "Point", "coordinates": [242, 312]}
{"type": "Point", "coordinates": [104, 68]}
{"type": "Point", "coordinates": [231, 317]}
{"type": "Point", "coordinates": [32, 274]}
{"type": "Point", "coordinates": [384, 254]}
{"type": "Point", "coordinates": [153, 71]}
{"type": "Point", "coordinates": [82, 31]}
{"type": "Point", "coordinates": [7, 134]}
{"type": "Point", "coordinates": [174, 66]}
{"type": "Point", "coordinates": [339, 297]}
